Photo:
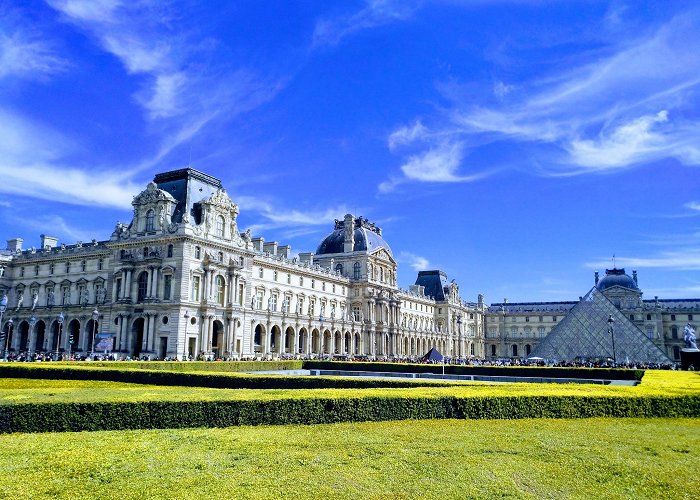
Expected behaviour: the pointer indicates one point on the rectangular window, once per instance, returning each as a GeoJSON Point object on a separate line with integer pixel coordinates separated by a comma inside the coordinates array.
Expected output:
{"type": "Point", "coordinates": [273, 302]}
{"type": "Point", "coordinates": [650, 331]}
{"type": "Point", "coordinates": [195, 288]}
{"type": "Point", "coordinates": [313, 283]}
{"type": "Point", "coordinates": [274, 275]}
{"type": "Point", "coordinates": [100, 264]}
{"type": "Point", "coordinates": [554, 318]}
{"type": "Point", "coordinates": [540, 330]}
{"type": "Point", "coordinates": [21, 272]}
{"type": "Point", "coordinates": [36, 270]}
{"type": "Point", "coordinates": [119, 288]}
{"type": "Point", "coordinates": [300, 305]}
{"type": "Point", "coordinates": [65, 296]}
{"type": "Point", "coordinates": [356, 313]}
{"type": "Point", "coordinates": [240, 294]}
{"type": "Point", "coordinates": [690, 317]}
{"type": "Point", "coordinates": [167, 286]}
{"type": "Point", "coordinates": [83, 266]}
{"type": "Point", "coordinates": [301, 281]}
{"type": "Point", "coordinates": [673, 317]}
{"type": "Point", "coordinates": [82, 295]}
{"type": "Point", "coordinates": [493, 350]}
{"type": "Point", "coordinates": [258, 299]}
{"type": "Point", "coordinates": [312, 307]}
{"type": "Point", "coordinates": [260, 273]}
{"type": "Point", "coordinates": [289, 279]}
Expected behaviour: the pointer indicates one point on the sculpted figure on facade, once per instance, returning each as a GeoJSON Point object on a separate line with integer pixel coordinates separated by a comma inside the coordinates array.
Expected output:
{"type": "Point", "coordinates": [689, 337]}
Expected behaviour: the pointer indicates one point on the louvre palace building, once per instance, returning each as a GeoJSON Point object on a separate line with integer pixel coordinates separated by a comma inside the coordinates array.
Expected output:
{"type": "Point", "coordinates": [182, 281]}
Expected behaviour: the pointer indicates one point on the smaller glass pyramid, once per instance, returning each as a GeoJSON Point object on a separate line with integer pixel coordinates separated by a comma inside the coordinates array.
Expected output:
{"type": "Point", "coordinates": [584, 333]}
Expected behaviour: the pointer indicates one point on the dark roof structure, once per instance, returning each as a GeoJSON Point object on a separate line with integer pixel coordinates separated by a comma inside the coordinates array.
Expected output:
{"type": "Point", "coordinates": [584, 333]}
{"type": "Point", "coordinates": [616, 277]}
{"type": "Point", "coordinates": [434, 282]}
{"type": "Point", "coordinates": [188, 186]}
{"type": "Point", "coordinates": [367, 237]}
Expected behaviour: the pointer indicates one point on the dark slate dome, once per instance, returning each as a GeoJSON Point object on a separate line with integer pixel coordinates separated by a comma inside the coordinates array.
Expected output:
{"type": "Point", "coordinates": [616, 277]}
{"type": "Point", "coordinates": [367, 238]}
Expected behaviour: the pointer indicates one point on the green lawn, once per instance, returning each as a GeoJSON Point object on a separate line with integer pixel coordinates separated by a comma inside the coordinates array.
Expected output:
{"type": "Point", "coordinates": [583, 458]}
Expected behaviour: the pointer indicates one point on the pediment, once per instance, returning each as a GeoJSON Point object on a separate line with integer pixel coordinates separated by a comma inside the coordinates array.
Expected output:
{"type": "Point", "coordinates": [383, 255]}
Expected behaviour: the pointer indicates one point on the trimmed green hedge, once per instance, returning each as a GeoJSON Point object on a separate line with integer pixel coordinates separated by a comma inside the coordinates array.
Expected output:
{"type": "Point", "coordinates": [61, 417]}
{"type": "Point", "coordinates": [492, 371]}
{"type": "Point", "coordinates": [197, 366]}
{"type": "Point", "coordinates": [193, 379]}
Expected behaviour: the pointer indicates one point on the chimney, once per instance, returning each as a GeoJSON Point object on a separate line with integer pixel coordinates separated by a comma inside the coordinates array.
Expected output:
{"type": "Point", "coordinates": [15, 245]}
{"type": "Point", "coordinates": [258, 243]}
{"type": "Point", "coordinates": [349, 233]}
{"type": "Point", "coordinates": [634, 277]}
{"type": "Point", "coordinates": [596, 277]}
{"type": "Point", "coordinates": [48, 242]}
{"type": "Point", "coordinates": [306, 258]}
{"type": "Point", "coordinates": [270, 247]}
{"type": "Point", "coordinates": [284, 251]}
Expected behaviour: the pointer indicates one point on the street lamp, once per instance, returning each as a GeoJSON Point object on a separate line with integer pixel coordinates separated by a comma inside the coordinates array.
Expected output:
{"type": "Point", "coordinates": [611, 320]}
{"type": "Point", "coordinates": [32, 323]}
{"type": "Point", "coordinates": [95, 317]}
{"type": "Point", "coordinates": [3, 308]}
{"type": "Point", "coordinates": [60, 319]}
{"type": "Point", "coordinates": [7, 336]}
{"type": "Point", "coordinates": [184, 342]}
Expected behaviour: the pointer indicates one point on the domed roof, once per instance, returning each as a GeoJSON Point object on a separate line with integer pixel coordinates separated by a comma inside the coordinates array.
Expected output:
{"type": "Point", "coordinates": [616, 277]}
{"type": "Point", "coordinates": [366, 235]}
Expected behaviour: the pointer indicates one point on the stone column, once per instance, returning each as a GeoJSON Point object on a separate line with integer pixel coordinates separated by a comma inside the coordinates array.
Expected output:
{"type": "Point", "coordinates": [266, 342]}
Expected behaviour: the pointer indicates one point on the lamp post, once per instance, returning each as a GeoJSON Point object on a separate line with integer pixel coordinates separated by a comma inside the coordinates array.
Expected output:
{"type": "Point", "coordinates": [95, 317]}
{"type": "Point", "coordinates": [32, 323]}
{"type": "Point", "coordinates": [184, 342]}
{"type": "Point", "coordinates": [60, 319]}
{"type": "Point", "coordinates": [3, 308]}
{"type": "Point", "coordinates": [7, 336]}
{"type": "Point", "coordinates": [611, 320]}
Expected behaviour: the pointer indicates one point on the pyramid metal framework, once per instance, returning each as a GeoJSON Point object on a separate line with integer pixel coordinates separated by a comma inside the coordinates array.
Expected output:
{"type": "Point", "coordinates": [584, 333]}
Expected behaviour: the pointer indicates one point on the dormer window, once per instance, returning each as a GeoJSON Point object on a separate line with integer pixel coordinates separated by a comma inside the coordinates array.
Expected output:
{"type": "Point", "coordinates": [150, 220]}
{"type": "Point", "coordinates": [220, 226]}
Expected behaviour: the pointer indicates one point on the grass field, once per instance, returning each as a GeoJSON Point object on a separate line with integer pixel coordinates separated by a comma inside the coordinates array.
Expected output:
{"type": "Point", "coordinates": [584, 458]}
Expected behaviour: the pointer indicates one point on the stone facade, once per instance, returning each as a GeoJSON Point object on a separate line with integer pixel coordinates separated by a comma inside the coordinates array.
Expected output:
{"type": "Point", "coordinates": [180, 280]}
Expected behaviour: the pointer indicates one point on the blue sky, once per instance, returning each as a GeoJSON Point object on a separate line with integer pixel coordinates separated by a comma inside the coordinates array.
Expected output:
{"type": "Point", "coordinates": [517, 145]}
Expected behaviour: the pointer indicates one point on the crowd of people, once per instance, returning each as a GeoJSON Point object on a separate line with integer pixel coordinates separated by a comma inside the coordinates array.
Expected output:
{"type": "Point", "coordinates": [597, 363]}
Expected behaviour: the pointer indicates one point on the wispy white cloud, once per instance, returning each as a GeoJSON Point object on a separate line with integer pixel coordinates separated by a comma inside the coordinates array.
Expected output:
{"type": "Point", "coordinates": [331, 31]}
{"type": "Point", "coordinates": [56, 226]}
{"type": "Point", "coordinates": [439, 164]}
{"type": "Point", "coordinates": [28, 55]}
{"type": "Point", "coordinates": [407, 135]}
{"type": "Point", "coordinates": [32, 164]}
{"type": "Point", "coordinates": [179, 95]}
{"type": "Point", "coordinates": [630, 104]}
{"type": "Point", "coordinates": [416, 262]}
{"type": "Point", "coordinates": [295, 222]}
{"type": "Point", "coordinates": [683, 260]}
{"type": "Point", "coordinates": [693, 205]}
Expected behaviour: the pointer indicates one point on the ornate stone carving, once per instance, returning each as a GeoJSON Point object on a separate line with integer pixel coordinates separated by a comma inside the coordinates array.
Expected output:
{"type": "Point", "coordinates": [152, 195]}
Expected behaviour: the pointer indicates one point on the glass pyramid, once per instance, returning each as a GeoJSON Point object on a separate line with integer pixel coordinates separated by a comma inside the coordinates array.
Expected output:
{"type": "Point", "coordinates": [584, 333]}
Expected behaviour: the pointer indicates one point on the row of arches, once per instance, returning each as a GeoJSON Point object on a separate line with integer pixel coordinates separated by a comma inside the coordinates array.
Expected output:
{"type": "Point", "coordinates": [50, 335]}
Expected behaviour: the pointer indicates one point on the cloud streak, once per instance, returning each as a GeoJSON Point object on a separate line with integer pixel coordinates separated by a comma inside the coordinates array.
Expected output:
{"type": "Point", "coordinates": [376, 13]}
{"type": "Point", "coordinates": [629, 105]}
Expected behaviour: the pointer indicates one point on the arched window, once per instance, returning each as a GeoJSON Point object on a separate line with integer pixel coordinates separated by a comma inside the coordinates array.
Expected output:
{"type": "Point", "coordinates": [339, 268]}
{"type": "Point", "coordinates": [220, 226]}
{"type": "Point", "coordinates": [150, 220]}
{"type": "Point", "coordinates": [220, 289]}
{"type": "Point", "coordinates": [356, 271]}
{"type": "Point", "coordinates": [143, 286]}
